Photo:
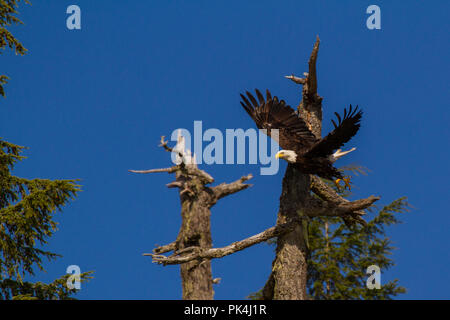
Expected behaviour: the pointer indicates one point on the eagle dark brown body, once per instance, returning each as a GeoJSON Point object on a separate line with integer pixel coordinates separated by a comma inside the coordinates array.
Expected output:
{"type": "Point", "coordinates": [322, 167]}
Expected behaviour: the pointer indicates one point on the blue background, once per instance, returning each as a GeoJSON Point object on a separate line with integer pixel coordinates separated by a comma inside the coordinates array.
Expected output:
{"type": "Point", "coordinates": [93, 103]}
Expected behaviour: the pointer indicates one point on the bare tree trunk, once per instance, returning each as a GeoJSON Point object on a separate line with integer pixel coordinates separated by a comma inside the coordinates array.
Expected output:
{"type": "Point", "coordinates": [196, 276]}
{"type": "Point", "coordinates": [194, 236]}
{"type": "Point", "coordinates": [289, 269]}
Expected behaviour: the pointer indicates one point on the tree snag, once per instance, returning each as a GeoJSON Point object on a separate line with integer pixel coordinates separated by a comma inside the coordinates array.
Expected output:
{"type": "Point", "coordinates": [288, 278]}
{"type": "Point", "coordinates": [195, 233]}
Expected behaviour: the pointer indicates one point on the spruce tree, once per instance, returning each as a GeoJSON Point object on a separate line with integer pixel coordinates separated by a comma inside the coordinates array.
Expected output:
{"type": "Point", "coordinates": [27, 208]}
{"type": "Point", "coordinates": [339, 254]}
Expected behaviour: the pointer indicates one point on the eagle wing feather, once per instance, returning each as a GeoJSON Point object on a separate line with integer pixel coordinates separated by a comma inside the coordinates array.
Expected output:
{"type": "Point", "coordinates": [344, 130]}
{"type": "Point", "coordinates": [271, 113]}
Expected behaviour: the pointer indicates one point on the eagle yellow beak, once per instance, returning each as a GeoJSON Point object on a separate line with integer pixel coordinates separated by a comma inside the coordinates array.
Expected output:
{"type": "Point", "coordinates": [279, 155]}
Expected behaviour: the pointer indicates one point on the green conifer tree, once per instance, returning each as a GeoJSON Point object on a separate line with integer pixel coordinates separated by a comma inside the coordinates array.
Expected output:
{"type": "Point", "coordinates": [8, 11]}
{"type": "Point", "coordinates": [340, 253]}
{"type": "Point", "coordinates": [27, 207]}
{"type": "Point", "coordinates": [26, 221]}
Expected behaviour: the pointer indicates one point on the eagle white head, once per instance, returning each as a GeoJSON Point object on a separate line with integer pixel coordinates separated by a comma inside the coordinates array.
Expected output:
{"type": "Point", "coordinates": [288, 155]}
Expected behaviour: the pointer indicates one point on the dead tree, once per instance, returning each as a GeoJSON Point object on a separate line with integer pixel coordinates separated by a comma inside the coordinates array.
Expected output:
{"type": "Point", "coordinates": [288, 278]}
{"type": "Point", "coordinates": [196, 198]}
{"type": "Point", "coordinates": [193, 250]}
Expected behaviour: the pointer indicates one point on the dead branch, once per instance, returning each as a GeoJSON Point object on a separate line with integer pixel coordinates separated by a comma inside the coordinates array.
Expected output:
{"type": "Point", "coordinates": [169, 170]}
{"type": "Point", "coordinates": [327, 193]}
{"type": "Point", "coordinates": [317, 207]}
{"type": "Point", "coordinates": [175, 184]}
{"type": "Point", "coordinates": [296, 79]}
{"type": "Point", "coordinates": [188, 170]}
{"type": "Point", "coordinates": [166, 248]}
{"type": "Point", "coordinates": [226, 189]}
{"type": "Point", "coordinates": [213, 253]}
{"type": "Point", "coordinates": [164, 145]}
{"type": "Point", "coordinates": [311, 79]}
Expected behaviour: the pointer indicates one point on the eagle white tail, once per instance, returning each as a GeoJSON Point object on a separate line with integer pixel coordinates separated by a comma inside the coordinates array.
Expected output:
{"type": "Point", "coordinates": [339, 153]}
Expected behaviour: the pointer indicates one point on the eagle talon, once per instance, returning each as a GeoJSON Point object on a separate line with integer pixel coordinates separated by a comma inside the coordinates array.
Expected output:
{"type": "Point", "coordinates": [346, 182]}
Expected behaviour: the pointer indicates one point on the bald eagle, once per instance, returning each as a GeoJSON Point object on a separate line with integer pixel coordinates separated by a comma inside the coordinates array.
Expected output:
{"type": "Point", "coordinates": [299, 145]}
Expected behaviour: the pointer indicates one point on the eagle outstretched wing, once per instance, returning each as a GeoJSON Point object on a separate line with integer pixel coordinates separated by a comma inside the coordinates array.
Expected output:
{"type": "Point", "coordinates": [271, 113]}
{"type": "Point", "coordinates": [346, 128]}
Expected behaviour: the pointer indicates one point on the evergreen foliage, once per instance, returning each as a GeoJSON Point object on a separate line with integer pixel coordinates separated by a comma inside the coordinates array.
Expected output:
{"type": "Point", "coordinates": [8, 12]}
{"type": "Point", "coordinates": [27, 208]}
{"type": "Point", "coordinates": [339, 256]}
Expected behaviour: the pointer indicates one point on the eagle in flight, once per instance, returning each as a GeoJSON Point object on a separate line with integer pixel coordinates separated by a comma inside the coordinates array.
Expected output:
{"type": "Point", "coordinates": [299, 145]}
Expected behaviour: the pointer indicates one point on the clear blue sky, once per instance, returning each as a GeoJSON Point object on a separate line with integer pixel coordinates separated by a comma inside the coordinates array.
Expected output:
{"type": "Point", "coordinates": [93, 103]}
